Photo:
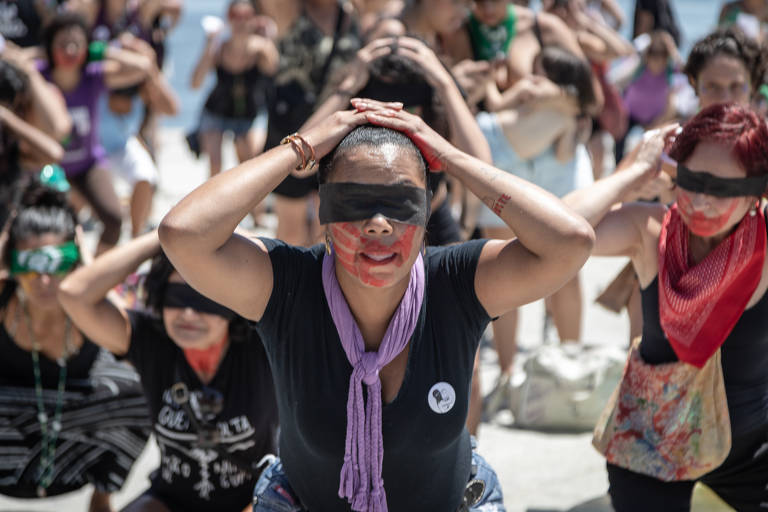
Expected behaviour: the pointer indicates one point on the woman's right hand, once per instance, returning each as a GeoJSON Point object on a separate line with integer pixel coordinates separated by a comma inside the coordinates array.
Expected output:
{"type": "Point", "coordinates": [648, 155]}
{"type": "Point", "coordinates": [326, 135]}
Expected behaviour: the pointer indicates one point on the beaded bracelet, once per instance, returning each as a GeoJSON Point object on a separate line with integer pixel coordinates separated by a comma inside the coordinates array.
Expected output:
{"type": "Point", "coordinates": [293, 140]}
{"type": "Point", "coordinates": [298, 142]}
{"type": "Point", "coordinates": [312, 159]}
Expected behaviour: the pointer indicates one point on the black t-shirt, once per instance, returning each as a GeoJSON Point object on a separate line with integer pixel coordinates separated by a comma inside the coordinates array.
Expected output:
{"type": "Point", "coordinates": [20, 22]}
{"type": "Point", "coordinates": [426, 447]}
{"type": "Point", "coordinates": [663, 17]}
{"type": "Point", "coordinates": [191, 477]}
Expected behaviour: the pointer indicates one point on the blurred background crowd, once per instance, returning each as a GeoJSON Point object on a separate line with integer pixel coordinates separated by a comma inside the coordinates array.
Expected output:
{"type": "Point", "coordinates": [554, 91]}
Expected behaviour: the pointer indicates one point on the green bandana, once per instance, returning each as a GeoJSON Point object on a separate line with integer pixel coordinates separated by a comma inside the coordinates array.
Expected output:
{"type": "Point", "coordinates": [51, 259]}
{"type": "Point", "coordinates": [763, 91]}
{"type": "Point", "coordinates": [489, 43]}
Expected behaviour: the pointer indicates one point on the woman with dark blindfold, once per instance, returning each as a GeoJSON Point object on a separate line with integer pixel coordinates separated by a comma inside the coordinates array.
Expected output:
{"type": "Point", "coordinates": [372, 339]}
{"type": "Point", "coordinates": [205, 375]}
{"type": "Point", "coordinates": [692, 403]}
{"type": "Point", "coordinates": [70, 414]}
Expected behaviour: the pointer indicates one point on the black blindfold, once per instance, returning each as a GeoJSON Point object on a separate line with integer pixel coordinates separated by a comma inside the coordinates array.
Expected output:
{"type": "Point", "coordinates": [180, 295]}
{"type": "Point", "coordinates": [706, 183]}
{"type": "Point", "coordinates": [350, 202]}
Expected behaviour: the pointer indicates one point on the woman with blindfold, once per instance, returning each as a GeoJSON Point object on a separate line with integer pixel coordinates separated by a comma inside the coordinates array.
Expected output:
{"type": "Point", "coordinates": [70, 415]}
{"type": "Point", "coordinates": [373, 309]}
{"type": "Point", "coordinates": [703, 277]}
{"type": "Point", "coordinates": [205, 375]}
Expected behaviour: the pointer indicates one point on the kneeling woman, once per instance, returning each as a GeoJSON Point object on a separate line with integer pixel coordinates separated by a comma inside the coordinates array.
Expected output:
{"type": "Point", "coordinates": [703, 278]}
{"type": "Point", "coordinates": [204, 372]}
{"type": "Point", "coordinates": [374, 311]}
{"type": "Point", "coordinates": [70, 414]}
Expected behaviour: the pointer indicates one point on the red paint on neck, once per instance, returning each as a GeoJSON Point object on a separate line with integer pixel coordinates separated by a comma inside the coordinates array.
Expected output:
{"type": "Point", "coordinates": [205, 361]}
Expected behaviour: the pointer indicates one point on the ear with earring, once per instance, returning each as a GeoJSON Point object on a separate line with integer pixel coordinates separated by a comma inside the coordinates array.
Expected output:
{"type": "Point", "coordinates": [327, 243]}
{"type": "Point", "coordinates": [753, 210]}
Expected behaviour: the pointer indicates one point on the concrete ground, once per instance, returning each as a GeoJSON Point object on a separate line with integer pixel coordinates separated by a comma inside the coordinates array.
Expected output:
{"type": "Point", "coordinates": [539, 472]}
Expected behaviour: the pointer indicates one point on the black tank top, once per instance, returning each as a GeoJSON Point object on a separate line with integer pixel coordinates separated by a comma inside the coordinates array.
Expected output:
{"type": "Point", "coordinates": [744, 356]}
{"type": "Point", "coordinates": [237, 95]}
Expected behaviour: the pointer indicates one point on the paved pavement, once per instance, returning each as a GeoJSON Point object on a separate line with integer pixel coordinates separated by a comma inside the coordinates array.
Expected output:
{"type": "Point", "coordinates": [539, 472]}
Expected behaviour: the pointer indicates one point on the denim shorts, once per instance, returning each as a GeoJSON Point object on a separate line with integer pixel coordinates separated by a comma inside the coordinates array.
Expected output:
{"type": "Point", "coordinates": [273, 493]}
{"type": "Point", "coordinates": [210, 122]}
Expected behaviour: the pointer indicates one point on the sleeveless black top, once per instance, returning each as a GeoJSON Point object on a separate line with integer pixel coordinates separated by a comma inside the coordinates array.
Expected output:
{"type": "Point", "coordinates": [744, 356]}
{"type": "Point", "coordinates": [238, 95]}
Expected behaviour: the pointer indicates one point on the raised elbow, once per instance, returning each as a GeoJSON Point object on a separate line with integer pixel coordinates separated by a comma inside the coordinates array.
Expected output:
{"type": "Point", "coordinates": [581, 238]}
{"type": "Point", "coordinates": [170, 232]}
{"type": "Point", "coordinates": [69, 291]}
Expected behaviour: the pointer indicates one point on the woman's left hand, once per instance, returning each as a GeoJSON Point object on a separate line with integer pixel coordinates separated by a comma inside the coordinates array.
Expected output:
{"type": "Point", "coordinates": [432, 146]}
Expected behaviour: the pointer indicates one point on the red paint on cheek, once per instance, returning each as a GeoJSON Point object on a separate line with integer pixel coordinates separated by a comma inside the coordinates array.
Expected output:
{"type": "Point", "coordinates": [700, 224]}
{"type": "Point", "coordinates": [349, 242]}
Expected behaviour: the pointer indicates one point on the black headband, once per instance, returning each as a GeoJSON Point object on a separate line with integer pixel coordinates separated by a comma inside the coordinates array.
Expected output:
{"type": "Point", "coordinates": [180, 295]}
{"type": "Point", "coordinates": [350, 202]}
{"type": "Point", "coordinates": [706, 183]}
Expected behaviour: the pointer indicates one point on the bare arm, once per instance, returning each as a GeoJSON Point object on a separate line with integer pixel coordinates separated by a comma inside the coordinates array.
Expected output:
{"type": "Point", "coordinates": [124, 68]}
{"type": "Point", "coordinates": [465, 133]}
{"type": "Point", "coordinates": [83, 294]}
{"type": "Point", "coordinates": [356, 76]}
{"type": "Point", "coordinates": [197, 234]}
{"type": "Point", "coordinates": [49, 110]}
{"type": "Point", "coordinates": [594, 203]}
{"type": "Point", "coordinates": [556, 32]}
{"type": "Point", "coordinates": [44, 148]}
{"type": "Point", "coordinates": [267, 56]}
{"type": "Point", "coordinates": [613, 8]}
{"type": "Point", "coordinates": [552, 241]}
{"type": "Point", "coordinates": [156, 91]}
{"type": "Point", "coordinates": [206, 62]}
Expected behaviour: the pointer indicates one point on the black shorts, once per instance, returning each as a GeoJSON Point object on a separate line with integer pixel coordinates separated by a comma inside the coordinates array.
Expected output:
{"type": "Point", "coordinates": [740, 481]}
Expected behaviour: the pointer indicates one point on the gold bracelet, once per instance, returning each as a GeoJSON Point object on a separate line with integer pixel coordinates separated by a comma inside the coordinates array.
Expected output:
{"type": "Point", "coordinates": [293, 140]}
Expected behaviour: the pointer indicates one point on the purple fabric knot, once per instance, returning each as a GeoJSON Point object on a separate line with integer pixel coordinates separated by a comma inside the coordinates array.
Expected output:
{"type": "Point", "coordinates": [368, 364]}
{"type": "Point", "coordinates": [360, 479]}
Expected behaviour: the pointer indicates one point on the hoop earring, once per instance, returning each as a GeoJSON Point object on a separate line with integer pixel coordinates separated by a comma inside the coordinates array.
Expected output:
{"type": "Point", "coordinates": [327, 243]}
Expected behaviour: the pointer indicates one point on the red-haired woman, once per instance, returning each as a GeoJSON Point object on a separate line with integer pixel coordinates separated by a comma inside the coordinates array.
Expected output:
{"type": "Point", "coordinates": [703, 277]}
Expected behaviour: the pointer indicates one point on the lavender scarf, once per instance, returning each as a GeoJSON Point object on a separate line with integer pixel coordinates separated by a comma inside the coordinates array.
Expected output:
{"type": "Point", "coordinates": [361, 481]}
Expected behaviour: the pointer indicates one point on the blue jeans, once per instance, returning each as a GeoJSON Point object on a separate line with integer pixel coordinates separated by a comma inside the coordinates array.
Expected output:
{"type": "Point", "coordinates": [273, 493]}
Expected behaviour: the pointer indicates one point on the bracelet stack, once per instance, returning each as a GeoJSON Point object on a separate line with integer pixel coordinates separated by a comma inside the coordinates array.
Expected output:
{"type": "Point", "coordinates": [299, 143]}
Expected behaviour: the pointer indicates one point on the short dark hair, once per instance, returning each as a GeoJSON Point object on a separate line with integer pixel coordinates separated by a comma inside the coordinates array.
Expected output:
{"type": "Point", "coordinates": [729, 42]}
{"type": "Point", "coordinates": [155, 284]}
{"type": "Point", "coordinates": [369, 135]}
{"type": "Point", "coordinates": [59, 22]}
{"type": "Point", "coordinates": [569, 71]}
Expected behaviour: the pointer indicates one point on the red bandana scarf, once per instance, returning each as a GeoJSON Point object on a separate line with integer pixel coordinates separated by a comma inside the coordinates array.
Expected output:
{"type": "Point", "coordinates": [205, 361]}
{"type": "Point", "coordinates": [700, 305]}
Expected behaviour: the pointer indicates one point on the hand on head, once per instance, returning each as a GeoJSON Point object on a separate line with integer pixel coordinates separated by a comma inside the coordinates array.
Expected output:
{"type": "Point", "coordinates": [649, 151]}
{"type": "Point", "coordinates": [391, 115]}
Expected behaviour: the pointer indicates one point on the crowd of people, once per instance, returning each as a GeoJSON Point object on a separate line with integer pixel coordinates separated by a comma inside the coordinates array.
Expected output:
{"type": "Point", "coordinates": [433, 165]}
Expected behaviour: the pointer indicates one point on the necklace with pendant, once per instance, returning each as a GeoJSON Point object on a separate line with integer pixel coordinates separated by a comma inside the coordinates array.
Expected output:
{"type": "Point", "coordinates": [49, 431]}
